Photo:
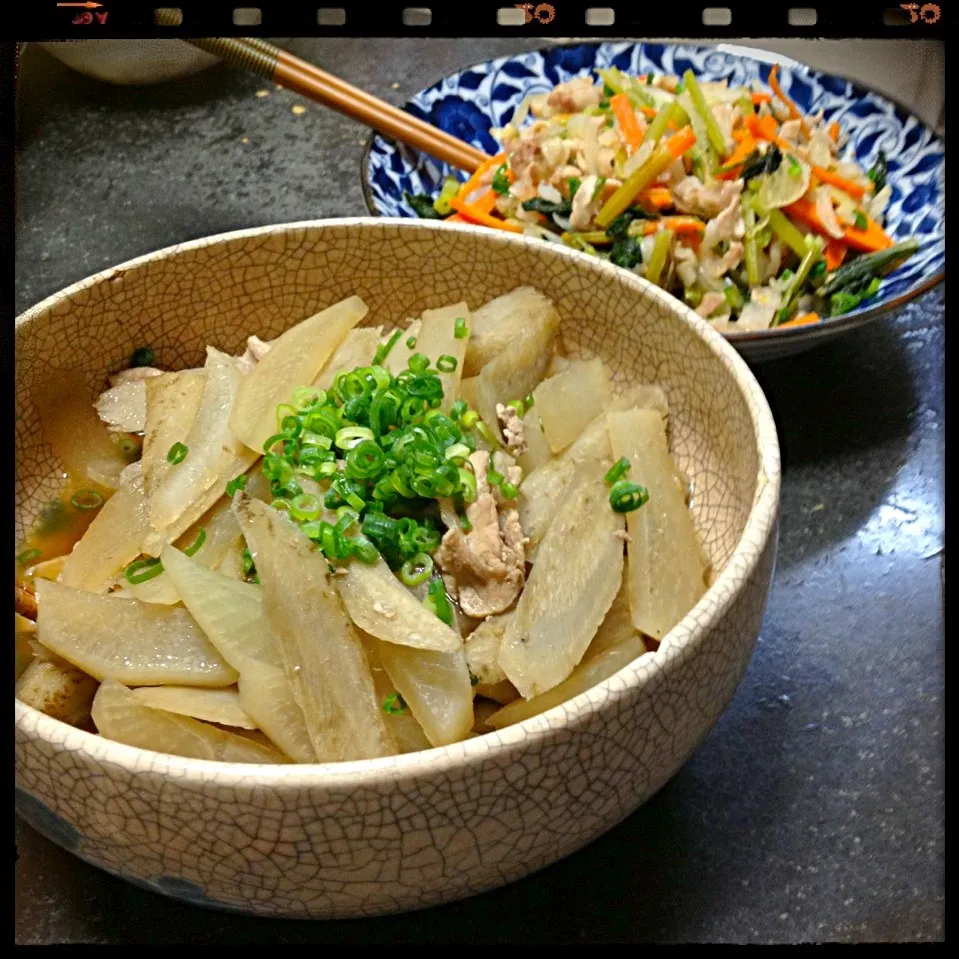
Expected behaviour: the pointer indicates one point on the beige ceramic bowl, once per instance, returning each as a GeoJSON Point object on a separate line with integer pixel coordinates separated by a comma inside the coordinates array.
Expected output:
{"type": "Point", "coordinates": [394, 834]}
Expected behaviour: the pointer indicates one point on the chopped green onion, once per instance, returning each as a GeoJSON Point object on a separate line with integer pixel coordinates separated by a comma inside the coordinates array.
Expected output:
{"type": "Point", "coordinates": [469, 419]}
{"type": "Point", "coordinates": [411, 342]}
{"type": "Point", "coordinates": [458, 452]}
{"type": "Point", "coordinates": [446, 363]}
{"type": "Point", "coordinates": [274, 439]}
{"type": "Point", "coordinates": [308, 397]}
{"type": "Point", "coordinates": [234, 485]}
{"type": "Point", "coordinates": [509, 491]}
{"type": "Point", "coordinates": [177, 453]}
{"type": "Point", "coordinates": [483, 429]}
{"type": "Point", "coordinates": [528, 402]}
{"type": "Point", "coordinates": [437, 603]}
{"type": "Point", "coordinates": [795, 167]}
{"type": "Point", "coordinates": [624, 497]}
{"type": "Point", "coordinates": [501, 181]}
{"type": "Point", "coordinates": [363, 550]}
{"type": "Point", "coordinates": [394, 704]}
{"type": "Point", "coordinates": [142, 570]}
{"type": "Point", "coordinates": [417, 570]}
{"type": "Point", "coordinates": [351, 436]}
{"type": "Point", "coordinates": [860, 220]}
{"type": "Point", "coordinates": [306, 506]}
{"type": "Point", "coordinates": [197, 544]}
{"type": "Point", "coordinates": [383, 351]}
{"type": "Point", "coordinates": [143, 356]}
{"type": "Point", "coordinates": [459, 328]}
{"type": "Point", "coordinates": [518, 406]}
{"type": "Point", "coordinates": [28, 556]}
{"type": "Point", "coordinates": [617, 471]}
{"type": "Point", "coordinates": [494, 477]}
{"type": "Point", "coordinates": [419, 363]}
{"type": "Point", "coordinates": [87, 499]}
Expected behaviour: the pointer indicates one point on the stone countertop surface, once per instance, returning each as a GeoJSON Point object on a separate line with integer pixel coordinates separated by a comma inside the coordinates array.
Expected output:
{"type": "Point", "coordinates": [814, 811]}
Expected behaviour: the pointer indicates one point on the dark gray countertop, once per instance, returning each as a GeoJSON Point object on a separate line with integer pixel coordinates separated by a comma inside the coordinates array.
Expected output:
{"type": "Point", "coordinates": [814, 811]}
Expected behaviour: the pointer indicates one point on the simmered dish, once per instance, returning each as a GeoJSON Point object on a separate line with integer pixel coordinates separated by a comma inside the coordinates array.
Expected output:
{"type": "Point", "coordinates": [727, 197]}
{"type": "Point", "coordinates": [352, 542]}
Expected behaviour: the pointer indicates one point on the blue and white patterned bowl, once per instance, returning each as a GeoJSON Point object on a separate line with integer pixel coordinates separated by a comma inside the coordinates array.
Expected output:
{"type": "Point", "coordinates": [479, 98]}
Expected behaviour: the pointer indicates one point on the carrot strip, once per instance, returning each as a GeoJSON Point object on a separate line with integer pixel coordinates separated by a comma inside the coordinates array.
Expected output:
{"type": "Point", "coordinates": [455, 218]}
{"type": "Point", "coordinates": [479, 216]}
{"type": "Point", "coordinates": [759, 98]}
{"type": "Point", "coordinates": [626, 119]}
{"type": "Point", "coordinates": [680, 142]}
{"type": "Point", "coordinates": [682, 225]}
{"type": "Point", "coordinates": [474, 182]}
{"type": "Point", "coordinates": [778, 90]}
{"type": "Point", "coordinates": [644, 110]}
{"type": "Point", "coordinates": [486, 202]}
{"type": "Point", "coordinates": [736, 159]}
{"type": "Point", "coordinates": [834, 179]}
{"type": "Point", "coordinates": [869, 240]}
{"type": "Point", "coordinates": [834, 131]}
{"type": "Point", "coordinates": [659, 196]}
{"type": "Point", "coordinates": [835, 253]}
{"type": "Point", "coordinates": [803, 320]}
{"type": "Point", "coordinates": [762, 128]}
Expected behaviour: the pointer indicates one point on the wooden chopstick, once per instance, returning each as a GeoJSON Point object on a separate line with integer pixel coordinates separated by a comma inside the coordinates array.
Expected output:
{"type": "Point", "coordinates": [310, 81]}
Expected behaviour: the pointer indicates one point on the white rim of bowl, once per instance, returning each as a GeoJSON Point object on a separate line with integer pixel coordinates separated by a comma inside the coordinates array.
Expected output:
{"type": "Point", "coordinates": [760, 527]}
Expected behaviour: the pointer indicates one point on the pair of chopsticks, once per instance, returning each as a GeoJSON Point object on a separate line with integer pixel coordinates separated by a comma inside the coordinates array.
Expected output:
{"type": "Point", "coordinates": [310, 81]}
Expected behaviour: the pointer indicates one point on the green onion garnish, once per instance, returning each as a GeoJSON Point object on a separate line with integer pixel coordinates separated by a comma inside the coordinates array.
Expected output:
{"type": "Point", "coordinates": [143, 356]}
{"type": "Point", "coordinates": [459, 328]}
{"type": "Point", "coordinates": [87, 499]}
{"type": "Point", "coordinates": [419, 363]}
{"type": "Point", "coordinates": [624, 497]}
{"type": "Point", "coordinates": [234, 485]}
{"type": "Point", "coordinates": [437, 603]}
{"type": "Point", "coordinates": [494, 477]}
{"type": "Point", "coordinates": [860, 220]}
{"type": "Point", "coordinates": [795, 167]}
{"type": "Point", "coordinates": [509, 491]}
{"type": "Point", "coordinates": [177, 453]}
{"type": "Point", "coordinates": [528, 402]}
{"type": "Point", "coordinates": [383, 351]}
{"type": "Point", "coordinates": [417, 570]}
{"type": "Point", "coordinates": [617, 471]}
{"type": "Point", "coordinates": [197, 544]}
{"type": "Point", "coordinates": [394, 704]}
{"type": "Point", "coordinates": [518, 406]}
{"type": "Point", "coordinates": [142, 570]}
{"type": "Point", "coordinates": [28, 556]}
{"type": "Point", "coordinates": [446, 363]}
{"type": "Point", "coordinates": [411, 342]}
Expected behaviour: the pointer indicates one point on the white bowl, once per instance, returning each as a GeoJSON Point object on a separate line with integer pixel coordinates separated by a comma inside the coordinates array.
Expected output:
{"type": "Point", "coordinates": [386, 835]}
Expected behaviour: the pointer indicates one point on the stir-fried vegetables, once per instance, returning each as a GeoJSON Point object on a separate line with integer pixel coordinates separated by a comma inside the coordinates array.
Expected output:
{"type": "Point", "coordinates": [383, 576]}
{"type": "Point", "coordinates": [736, 178]}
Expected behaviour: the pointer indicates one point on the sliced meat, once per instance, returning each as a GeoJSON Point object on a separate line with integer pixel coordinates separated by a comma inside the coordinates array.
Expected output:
{"type": "Point", "coordinates": [513, 429]}
{"type": "Point", "coordinates": [574, 96]}
{"type": "Point", "coordinates": [485, 568]}
{"type": "Point", "coordinates": [256, 349]}
{"type": "Point", "coordinates": [691, 195]}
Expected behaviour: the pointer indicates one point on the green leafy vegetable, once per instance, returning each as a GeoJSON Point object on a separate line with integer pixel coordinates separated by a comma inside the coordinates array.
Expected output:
{"type": "Point", "coordinates": [501, 181]}
{"type": "Point", "coordinates": [879, 172]}
{"type": "Point", "coordinates": [422, 206]}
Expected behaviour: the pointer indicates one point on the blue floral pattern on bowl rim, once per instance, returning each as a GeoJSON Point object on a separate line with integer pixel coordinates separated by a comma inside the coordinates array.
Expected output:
{"type": "Point", "coordinates": [473, 101]}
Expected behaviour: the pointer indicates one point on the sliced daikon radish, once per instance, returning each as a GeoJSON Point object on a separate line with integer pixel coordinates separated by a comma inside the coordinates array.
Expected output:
{"type": "Point", "coordinates": [57, 689]}
{"type": "Point", "coordinates": [665, 563]}
{"type": "Point", "coordinates": [26, 630]}
{"type": "Point", "coordinates": [495, 325]}
{"type": "Point", "coordinates": [124, 407]}
{"type": "Point", "coordinates": [119, 715]}
{"type": "Point", "coordinates": [382, 606]}
{"type": "Point", "coordinates": [294, 359]}
{"type": "Point", "coordinates": [538, 452]}
{"type": "Point", "coordinates": [211, 448]}
{"type": "Point", "coordinates": [617, 628]}
{"type": "Point", "coordinates": [406, 732]}
{"type": "Point", "coordinates": [514, 373]}
{"type": "Point", "coordinates": [357, 349]}
{"type": "Point", "coordinates": [568, 402]}
{"type": "Point", "coordinates": [230, 612]}
{"type": "Point", "coordinates": [584, 677]}
{"type": "Point", "coordinates": [137, 643]}
{"type": "Point", "coordinates": [220, 706]}
{"type": "Point", "coordinates": [322, 653]}
{"type": "Point", "coordinates": [482, 649]}
{"type": "Point", "coordinates": [577, 573]}
{"type": "Point", "coordinates": [544, 487]}
{"type": "Point", "coordinates": [112, 539]}
{"type": "Point", "coordinates": [435, 686]}
{"type": "Point", "coordinates": [172, 401]}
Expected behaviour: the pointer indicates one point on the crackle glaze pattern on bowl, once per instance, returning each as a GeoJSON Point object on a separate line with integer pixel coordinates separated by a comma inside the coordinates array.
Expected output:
{"type": "Point", "coordinates": [401, 833]}
{"type": "Point", "coordinates": [475, 100]}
